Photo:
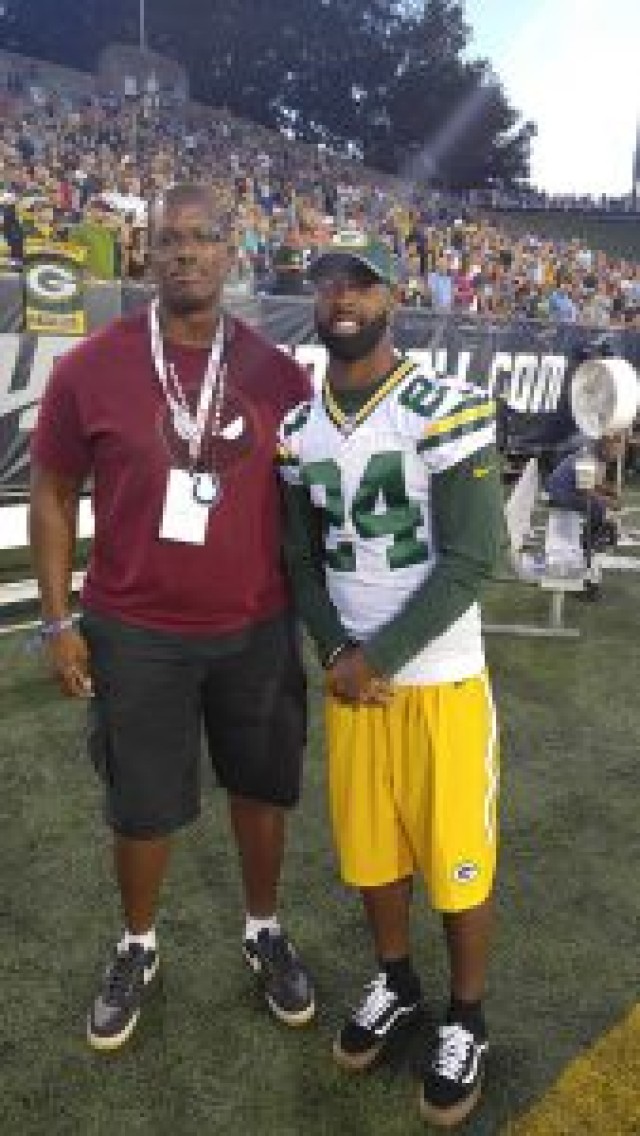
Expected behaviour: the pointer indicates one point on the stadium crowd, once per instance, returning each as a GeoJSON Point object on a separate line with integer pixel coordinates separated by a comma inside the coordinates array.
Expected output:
{"type": "Point", "coordinates": [69, 167]}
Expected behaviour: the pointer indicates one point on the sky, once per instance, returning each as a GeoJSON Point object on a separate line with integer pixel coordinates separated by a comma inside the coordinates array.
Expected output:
{"type": "Point", "coordinates": [573, 67]}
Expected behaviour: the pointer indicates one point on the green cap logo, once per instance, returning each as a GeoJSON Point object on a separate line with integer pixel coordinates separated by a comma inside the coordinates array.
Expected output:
{"type": "Point", "coordinates": [366, 249]}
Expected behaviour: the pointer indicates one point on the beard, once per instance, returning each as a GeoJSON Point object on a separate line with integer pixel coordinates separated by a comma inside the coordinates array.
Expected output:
{"type": "Point", "coordinates": [350, 348]}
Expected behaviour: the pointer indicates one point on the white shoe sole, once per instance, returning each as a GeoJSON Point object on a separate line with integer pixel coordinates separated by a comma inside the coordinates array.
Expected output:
{"type": "Point", "coordinates": [449, 1117]}
{"type": "Point", "coordinates": [356, 1062]}
{"type": "Point", "coordinates": [289, 1017]}
{"type": "Point", "coordinates": [360, 1062]}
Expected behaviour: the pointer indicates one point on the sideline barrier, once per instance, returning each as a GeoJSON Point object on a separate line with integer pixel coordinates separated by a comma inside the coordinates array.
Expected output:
{"type": "Point", "coordinates": [14, 524]}
{"type": "Point", "coordinates": [19, 592]}
{"type": "Point", "coordinates": [24, 592]}
{"type": "Point", "coordinates": [525, 362]}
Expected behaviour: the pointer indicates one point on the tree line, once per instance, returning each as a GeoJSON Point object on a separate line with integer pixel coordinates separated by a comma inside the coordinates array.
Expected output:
{"type": "Point", "coordinates": [392, 81]}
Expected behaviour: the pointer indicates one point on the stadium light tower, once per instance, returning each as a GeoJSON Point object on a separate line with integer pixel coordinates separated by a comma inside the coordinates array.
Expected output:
{"type": "Point", "coordinates": [635, 183]}
{"type": "Point", "coordinates": [143, 27]}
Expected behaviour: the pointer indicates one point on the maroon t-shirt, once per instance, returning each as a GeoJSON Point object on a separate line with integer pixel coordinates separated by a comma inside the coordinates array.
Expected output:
{"type": "Point", "coordinates": [104, 415]}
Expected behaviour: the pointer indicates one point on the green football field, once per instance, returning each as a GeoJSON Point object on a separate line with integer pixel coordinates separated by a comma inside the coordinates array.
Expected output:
{"type": "Point", "coordinates": [206, 1058]}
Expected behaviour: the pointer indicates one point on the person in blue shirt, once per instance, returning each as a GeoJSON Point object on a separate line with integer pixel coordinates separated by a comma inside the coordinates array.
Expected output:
{"type": "Point", "coordinates": [440, 283]}
{"type": "Point", "coordinates": [561, 305]}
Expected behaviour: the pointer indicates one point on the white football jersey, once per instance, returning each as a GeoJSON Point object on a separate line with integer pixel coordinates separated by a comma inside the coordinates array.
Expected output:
{"type": "Point", "coordinates": [370, 475]}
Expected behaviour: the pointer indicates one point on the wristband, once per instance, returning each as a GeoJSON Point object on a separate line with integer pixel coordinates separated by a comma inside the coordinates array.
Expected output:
{"type": "Point", "coordinates": [56, 627]}
{"type": "Point", "coordinates": [335, 654]}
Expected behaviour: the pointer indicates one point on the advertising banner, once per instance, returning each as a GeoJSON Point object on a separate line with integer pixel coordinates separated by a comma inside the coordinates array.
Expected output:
{"type": "Point", "coordinates": [525, 363]}
{"type": "Point", "coordinates": [54, 289]}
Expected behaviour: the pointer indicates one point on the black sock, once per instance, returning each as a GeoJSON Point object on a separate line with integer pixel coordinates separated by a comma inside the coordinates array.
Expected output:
{"type": "Point", "coordinates": [469, 1014]}
{"type": "Point", "coordinates": [402, 977]}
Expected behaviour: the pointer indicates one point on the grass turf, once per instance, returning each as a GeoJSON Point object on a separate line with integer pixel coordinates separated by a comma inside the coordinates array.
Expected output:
{"type": "Point", "coordinates": [206, 1057]}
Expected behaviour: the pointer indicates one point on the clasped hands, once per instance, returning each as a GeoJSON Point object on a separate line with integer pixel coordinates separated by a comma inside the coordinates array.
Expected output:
{"type": "Point", "coordinates": [351, 679]}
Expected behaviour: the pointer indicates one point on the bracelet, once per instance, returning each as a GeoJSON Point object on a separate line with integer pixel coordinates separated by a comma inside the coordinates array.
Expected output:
{"type": "Point", "coordinates": [56, 627]}
{"type": "Point", "coordinates": [335, 654]}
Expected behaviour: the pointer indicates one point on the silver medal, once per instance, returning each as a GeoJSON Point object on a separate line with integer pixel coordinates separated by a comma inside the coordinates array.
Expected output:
{"type": "Point", "coordinates": [207, 488]}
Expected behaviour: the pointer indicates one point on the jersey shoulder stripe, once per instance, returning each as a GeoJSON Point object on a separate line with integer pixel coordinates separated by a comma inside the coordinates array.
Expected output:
{"type": "Point", "coordinates": [430, 409]}
{"type": "Point", "coordinates": [482, 429]}
{"type": "Point", "coordinates": [472, 412]}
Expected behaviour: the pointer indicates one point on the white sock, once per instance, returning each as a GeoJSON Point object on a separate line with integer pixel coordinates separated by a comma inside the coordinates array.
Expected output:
{"type": "Point", "coordinates": [255, 924]}
{"type": "Point", "coordinates": [147, 940]}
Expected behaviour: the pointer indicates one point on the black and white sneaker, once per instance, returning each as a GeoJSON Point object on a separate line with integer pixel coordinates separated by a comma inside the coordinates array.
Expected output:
{"type": "Point", "coordinates": [116, 1008]}
{"type": "Point", "coordinates": [382, 1012]}
{"type": "Point", "coordinates": [453, 1082]}
{"type": "Point", "coordinates": [285, 981]}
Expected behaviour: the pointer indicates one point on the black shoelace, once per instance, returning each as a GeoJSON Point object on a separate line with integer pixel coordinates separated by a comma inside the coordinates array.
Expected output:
{"type": "Point", "coordinates": [122, 974]}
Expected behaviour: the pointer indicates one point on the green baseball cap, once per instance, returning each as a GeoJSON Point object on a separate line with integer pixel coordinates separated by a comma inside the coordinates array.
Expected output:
{"type": "Point", "coordinates": [366, 249]}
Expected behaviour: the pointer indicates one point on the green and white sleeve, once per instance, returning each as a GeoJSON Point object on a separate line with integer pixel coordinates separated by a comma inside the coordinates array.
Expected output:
{"type": "Point", "coordinates": [467, 517]}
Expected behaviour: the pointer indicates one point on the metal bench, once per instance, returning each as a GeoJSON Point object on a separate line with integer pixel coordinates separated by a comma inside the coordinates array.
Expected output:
{"type": "Point", "coordinates": [558, 569]}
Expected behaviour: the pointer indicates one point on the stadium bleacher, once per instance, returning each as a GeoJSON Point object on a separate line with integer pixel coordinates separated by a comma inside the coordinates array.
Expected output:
{"type": "Point", "coordinates": [80, 162]}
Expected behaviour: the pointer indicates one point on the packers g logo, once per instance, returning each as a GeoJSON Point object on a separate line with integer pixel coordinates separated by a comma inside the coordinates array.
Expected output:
{"type": "Point", "coordinates": [54, 292]}
{"type": "Point", "coordinates": [51, 283]}
{"type": "Point", "coordinates": [466, 872]}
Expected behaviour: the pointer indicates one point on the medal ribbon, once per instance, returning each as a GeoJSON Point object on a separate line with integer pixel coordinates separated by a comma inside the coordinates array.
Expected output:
{"type": "Point", "coordinates": [212, 383]}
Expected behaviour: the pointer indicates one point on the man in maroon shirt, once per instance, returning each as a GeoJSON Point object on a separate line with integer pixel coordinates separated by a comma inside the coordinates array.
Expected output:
{"type": "Point", "coordinates": [186, 622]}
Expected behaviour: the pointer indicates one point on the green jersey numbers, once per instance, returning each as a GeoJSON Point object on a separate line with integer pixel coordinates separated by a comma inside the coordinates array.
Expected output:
{"type": "Point", "coordinates": [380, 508]}
{"type": "Point", "coordinates": [377, 490]}
{"type": "Point", "coordinates": [423, 396]}
{"type": "Point", "coordinates": [324, 477]}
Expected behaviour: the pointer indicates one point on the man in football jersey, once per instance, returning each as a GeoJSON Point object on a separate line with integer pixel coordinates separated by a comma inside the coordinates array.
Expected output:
{"type": "Point", "coordinates": [393, 520]}
{"type": "Point", "coordinates": [186, 625]}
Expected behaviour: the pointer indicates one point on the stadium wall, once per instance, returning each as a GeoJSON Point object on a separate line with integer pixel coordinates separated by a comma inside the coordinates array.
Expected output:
{"type": "Point", "coordinates": [616, 234]}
